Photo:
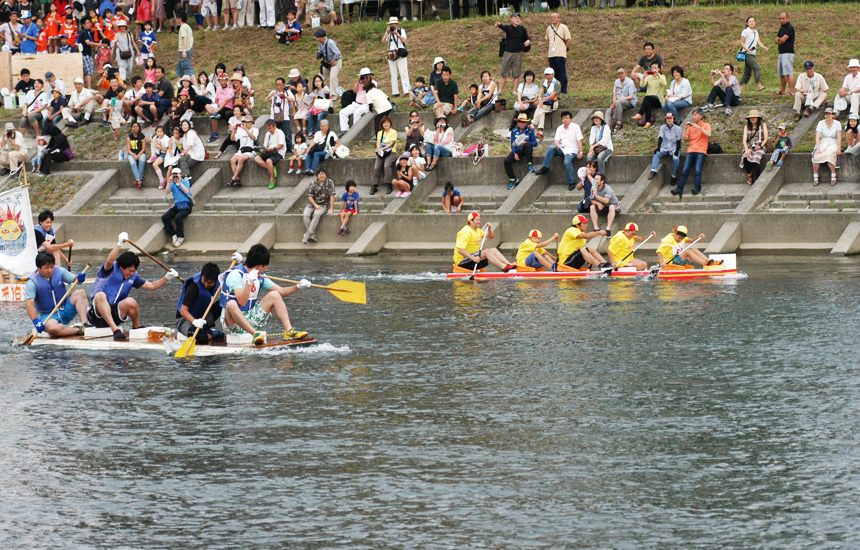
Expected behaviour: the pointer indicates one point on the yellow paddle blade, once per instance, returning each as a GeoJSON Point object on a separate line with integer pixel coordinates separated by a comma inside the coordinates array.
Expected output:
{"type": "Point", "coordinates": [187, 349]}
{"type": "Point", "coordinates": [348, 291]}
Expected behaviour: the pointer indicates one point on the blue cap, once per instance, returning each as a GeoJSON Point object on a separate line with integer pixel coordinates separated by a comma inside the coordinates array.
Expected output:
{"type": "Point", "coordinates": [809, 65]}
{"type": "Point", "coordinates": [320, 33]}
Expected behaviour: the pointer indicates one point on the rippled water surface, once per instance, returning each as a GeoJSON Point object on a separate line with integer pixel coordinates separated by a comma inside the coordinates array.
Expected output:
{"type": "Point", "coordinates": [501, 414]}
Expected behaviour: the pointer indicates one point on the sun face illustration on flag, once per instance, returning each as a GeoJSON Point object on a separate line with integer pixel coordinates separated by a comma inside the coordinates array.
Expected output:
{"type": "Point", "coordinates": [13, 234]}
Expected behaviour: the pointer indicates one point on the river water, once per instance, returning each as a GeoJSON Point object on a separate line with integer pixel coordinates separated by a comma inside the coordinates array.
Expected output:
{"type": "Point", "coordinates": [590, 414]}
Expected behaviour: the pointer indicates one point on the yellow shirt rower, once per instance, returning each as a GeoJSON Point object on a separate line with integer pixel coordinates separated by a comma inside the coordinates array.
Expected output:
{"type": "Point", "coordinates": [671, 250]}
{"type": "Point", "coordinates": [621, 248]}
{"type": "Point", "coordinates": [532, 253]}
{"type": "Point", "coordinates": [468, 252]}
{"type": "Point", "coordinates": [572, 250]}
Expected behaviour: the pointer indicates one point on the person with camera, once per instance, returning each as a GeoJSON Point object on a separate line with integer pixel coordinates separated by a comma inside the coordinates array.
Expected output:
{"type": "Point", "coordinates": [280, 99]}
{"type": "Point", "coordinates": [515, 43]}
{"type": "Point", "coordinates": [246, 136]}
{"type": "Point", "coordinates": [331, 60]}
{"type": "Point", "coordinates": [725, 87]}
{"type": "Point", "coordinates": [396, 39]}
{"type": "Point", "coordinates": [180, 189]}
{"type": "Point", "coordinates": [360, 105]}
{"type": "Point", "coordinates": [12, 149]}
{"type": "Point", "coordinates": [415, 131]}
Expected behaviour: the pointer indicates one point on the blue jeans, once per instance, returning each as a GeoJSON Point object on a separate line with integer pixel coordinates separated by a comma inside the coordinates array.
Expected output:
{"type": "Point", "coordinates": [437, 151]}
{"type": "Point", "coordinates": [655, 161]}
{"type": "Point", "coordinates": [314, 122]}
{"type": "Point", "coordinates": [285, 127]}
{"type": "Point", "coordinates": [183, 67]}
{"type": "Point", "coordinates": [554, 151]}
{"type": "Point", "coordinates": [137, 166]}
{"type": "Point", "coordinates": [313, 161]}
{"type": "Point", "coordinates": [50, 122]}
{"type": "Point", "coordinates": [674, 107]}
{"type": "Point", "coordinates": [699, 159]}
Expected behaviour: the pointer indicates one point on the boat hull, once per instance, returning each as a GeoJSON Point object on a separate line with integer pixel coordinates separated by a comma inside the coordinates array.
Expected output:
{"type": "Point", "coordinates": [167, 345]}
{"type": "Point", "coordinates": [671, 275]}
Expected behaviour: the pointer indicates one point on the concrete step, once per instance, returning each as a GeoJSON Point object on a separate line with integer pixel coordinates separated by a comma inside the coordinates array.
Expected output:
{"type": "Point", "coordinates": [698, 206]}
{"type": "Point", "coordinates": [335, 246]}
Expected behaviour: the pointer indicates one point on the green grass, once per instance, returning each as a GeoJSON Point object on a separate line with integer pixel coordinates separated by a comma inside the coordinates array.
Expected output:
{"type": "Point", "coordinates": [54, 191]}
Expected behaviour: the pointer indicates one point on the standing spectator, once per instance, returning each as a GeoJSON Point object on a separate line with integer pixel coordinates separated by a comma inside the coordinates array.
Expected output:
{"type": "Point", "coordinates": [125, 50]}
{"type": "Point", "coordinates": [279, 100]}
{"type": "Point", "coordinates": [568, 145]}
{"type": "Point", "coordinates": [135, 152]}
{"type": "Point", "coordinates": [750, 41]}
{"type": "Point", "coordinates": [193, 152]}
{"type": "Point", "coordinates": [320, 202]}
{"type": "Point", "coordinates": [668, 145]}
{"type": "Point", "coordinates": [386, 156]}
{"type": "Point", "coordinates": [378, 102]}
{"type": "Point", "coordinates": [10, 30]}
{"type": "Point", "coordinates": [697, 132]}
{"type": "Point", "coordinates": [267, 14]}
{"type": "Point", "coordinates": [210, 13]}
{"type": "Point", "coordinates": [231, 7]}
{"type": "Point", "coordinates": [274, 149]}
{"type": "Point", "coordinates": [246, 14]}
{"type": "Point", "coordinates": [359, 106]}
{"type": "Point", "coordinates": [180, 189]}
{"type": "Point", "coordinates": [80, 103]}
{"type": "Point", "coordinates": [649, 57]}
{"type": "Point", "coordinates": [600, 141]}
{"type": "Point", "coordinates": [324, 9]}
{"type": "Point", "coordinates": [331, 60]}
{"type": "Point", "coordinates": [725, 87]}
{"type": "Point", "coordinates": [623, 96]}
{"type": "Point", "coordinates": [147, 40]}
{"type": "Point", "coordinates": [397, 62]}
{"type": "Point", "coordinates": [87, 40]}
{"type": "Point", "coordinates": [849, 94]}
{"type": "Point", "coordinates": [755, 136]}
{"type": "Point", "coordinates": [558, 37]}
{"type": "Point", "coordinates": [811, 91]}
{"type": "Point", "coordinates": [828, 146]}
{"type": "Point", "coordinates": [13, 152]}
{"type": "Point", "coordinates": [516, 40]}
{"type": "Point", "coordinates": [447, 93]}
{"type": "Point", "coordinates": [523, 141]}
{"type": "Point", "coordinates": [186, 47]}
{"type": "Point", "coordinates": [680, 94]}
{"type": "Point", "coordinates": [548, 99]}
{"type": "Point", "coordinates": [29, 33]}
{"type": "Point", "coordinates": [785, 59]}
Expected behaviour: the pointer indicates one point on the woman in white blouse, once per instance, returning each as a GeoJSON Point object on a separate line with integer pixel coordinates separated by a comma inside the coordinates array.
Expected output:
{"type": "Point", "coordinates": [193, 152]}
{"type": "Point", "coordinates": [828, 146]}
{"type": "Point", "coordinates": [600, 141]}
{"type": "Point", "coordinates": [680, 93]}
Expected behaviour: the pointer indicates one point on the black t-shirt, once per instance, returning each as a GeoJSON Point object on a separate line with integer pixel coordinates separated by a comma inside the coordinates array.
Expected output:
{"type": "Point", "coordinates": [788, 45]}
{"type": "Point", "coordinates": [25, 87]}
{"type": "Point", "coordinates": [515, 36]}
{"type": "Point", "coordinates": [165, 89]}
{"type": "Point", "coordinates": [135, 143]}
{"type": "Point", "coordinates": [40, 239]}
{"type": "Point", "coordinates": [83, 36]}
{"type": "Point", "coordinates": [645, 63]}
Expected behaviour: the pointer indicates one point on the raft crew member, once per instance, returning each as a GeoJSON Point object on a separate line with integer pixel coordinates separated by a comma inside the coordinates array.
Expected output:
{"type": "Point", "coordinates": [671, 246]}
{"type": "Point", "coordinates": [572, 250]}
{"type": "Point", "coordinates": [621, 248]}
{"type": "Point", "coordinates": [243, 309]}
{"type": "Point", "coordinates": [44, 290]}
{"type": "Point", "coordinates": [45, 241]}
{"type": "Point", "coordinates": [196, 295]}
{"type": "Point", "coordinates": [468, 252]}
{"type": "Point", "coordinates": [532, 254]}
{"type": "Point", "coordinates": [111, 304]}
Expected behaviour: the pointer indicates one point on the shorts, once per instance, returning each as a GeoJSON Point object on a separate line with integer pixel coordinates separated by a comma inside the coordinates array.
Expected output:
{"type": "Point", "coordinates": [64, 315]}
{"type": "Point", "coordinates": [89, 69]}
{"type": "Point", "coordinates": [601, 208]}
{"type": "Point", "coordinates": [193, 2]}
{"type": "Point", "coordinates": [785, 64]}
{"type": "Point", "coordinates": [256, 316]}
{"type": "Point", "coordinates": [531, 261]}
{"type": "Point", "coordinates": [575, 260]}
{"type": "Point", "coordinates": [470, 264]}
{"type": "Point", "coordinates": [96, 320]}
{"type": "Point", "coordinates": [209, 8]}
{"type": "Point", "coordinates": [230, 4]}
{"type": "Point", "coordinates": [274, 156]}
{"type": "Point", "coordinates": [115, 124]}
{"type": "Point", "coordinates": [447, 108]}
{"type": "Point", "coordinates": [351, 211]}
{"type": "Point", "coordinates": [512, 64]}
{"type": "Point", "coordinates": [681, 261]}
{"type": "Point", "coordinates": [226, 113]}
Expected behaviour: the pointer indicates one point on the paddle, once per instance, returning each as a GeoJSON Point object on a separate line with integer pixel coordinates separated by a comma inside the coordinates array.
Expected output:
{"type": "Point", "coordinates": [475, 269]}
{"type": "Point", "coordinates": [345, 291]}
{"type": "Point", "coordinates": [637, 248]}
{"type": "Point", "coordinates": [655, 271]}
{"type": "Point", "coordinates": [32, 336]}
{"type": "Point", "coordinates": [153, 258]}
{"type": "Point", "coordinates": [187, 348]}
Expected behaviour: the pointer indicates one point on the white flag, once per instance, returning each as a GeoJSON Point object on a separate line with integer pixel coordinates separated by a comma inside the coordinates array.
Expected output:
{"type": "Point", "coordinates": [17, 236]}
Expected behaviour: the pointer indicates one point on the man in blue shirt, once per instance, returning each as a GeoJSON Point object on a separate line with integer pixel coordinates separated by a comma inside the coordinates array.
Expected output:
{"type": "Point", "coordinates": [148, 106]}
{"type": "Point", "coordinates": [523, 141]}
{"type": "Point", "coordinates": [29, 33]}
{"type": "Point", "coordinates": [44, 290]}
{"type": "Point", "coordinates": [668, 144]}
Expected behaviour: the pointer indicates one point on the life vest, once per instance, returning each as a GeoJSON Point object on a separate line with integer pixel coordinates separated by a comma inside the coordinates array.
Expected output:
{"type": "Point", "coordinates": [115, 286]}
{"type": "Point", "coordinates": [48, 293]}
{"type": "Point", "coordinates": [226, 295]}
{"type": "Point", "coordinates": [204, 296]}
{"type": "Point", "coordinates": [49, 235]}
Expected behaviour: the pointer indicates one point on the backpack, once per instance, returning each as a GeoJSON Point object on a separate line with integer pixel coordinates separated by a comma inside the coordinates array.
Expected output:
{"type": "Point", "coordinates": [714, 149]}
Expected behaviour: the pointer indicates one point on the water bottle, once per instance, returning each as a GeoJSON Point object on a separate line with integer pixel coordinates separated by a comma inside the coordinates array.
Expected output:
{"type": "Point", "coordinates": [121, 155]}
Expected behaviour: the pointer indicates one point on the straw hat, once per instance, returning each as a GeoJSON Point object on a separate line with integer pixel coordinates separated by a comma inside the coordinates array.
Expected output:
{"type": "Point", "coordinates": [393, 21]}
{"type": "Point", "coordinates": [755, 113]}
{"type": "Point", "coordinates": [598, 114]}
{"type": "Point", "coordinates": [523, 118]}
{"type": "Point", "coordinates": [237, 76]}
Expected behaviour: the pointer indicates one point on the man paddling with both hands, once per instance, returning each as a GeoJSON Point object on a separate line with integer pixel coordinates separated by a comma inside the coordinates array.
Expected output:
{"type": "Point", "coordinates": [44, 290]}
{"type": "Point", "coordinates": [573, 250]}
{"type": "Point", "coordinates": [673, 250]}
{"type": "Point", "coordinates": [468, 250]}
{"type": "Point", "coordinates": [243, 308]}
{"type": "Point", "coordinates": [112, 305]}
{"type": "Point", "coordinates": [621, 248]}
{"type": "Point", "coordinates": [191, 310]}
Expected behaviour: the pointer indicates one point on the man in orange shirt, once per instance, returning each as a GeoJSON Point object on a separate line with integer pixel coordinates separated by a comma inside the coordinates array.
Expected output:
{"type": "Point", "coordinates": [697, 132]}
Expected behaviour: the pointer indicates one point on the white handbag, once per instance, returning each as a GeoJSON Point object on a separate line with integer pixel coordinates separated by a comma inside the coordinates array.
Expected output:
{"type": "Point", "coordinates": [322, 104]}
{"type": "Point", "coordinates": [341, 152]}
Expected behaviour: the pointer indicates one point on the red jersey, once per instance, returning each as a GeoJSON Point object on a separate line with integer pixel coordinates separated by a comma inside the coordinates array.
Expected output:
{"type": "Point", "coordinates": [109, 29]}
{"type": "Point", "coordinates": [70, 29]}
{"type": "Point", "coordinates": [52, 24]}
{"type": "Point", "coordinates": [42, 41]}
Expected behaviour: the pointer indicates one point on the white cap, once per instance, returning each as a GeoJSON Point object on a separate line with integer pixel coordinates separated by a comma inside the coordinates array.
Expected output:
{"type": "Point", "coordinates": [176, 171]}
{"type": "Point", "coordinates": [10, 126]}
{"type": "Point", "coordinates": [853, 63]}
{"type": "Point", "coordinates": [79, 80]}
{"type": "Point", "coordinates": [364, 71]}
{"type": "Point", "coordinates": [438, 60]}
{"type": "Point", "coordinates": [581, 172]}
{"type": "Point", "coordinates": [548, 70]}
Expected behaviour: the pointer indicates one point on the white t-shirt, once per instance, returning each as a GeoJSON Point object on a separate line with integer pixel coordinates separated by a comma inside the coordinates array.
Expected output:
{"type": "Point", "coordinates": [78, 98]}
{"type": "Point", "coordinates": [160, 141]}
{"type": "Point", "coordinates": [276, 139]}
{"type": "Point", "coordinates": [851, 82]}
{"type": "Point", "coordinates": [132, 95]}
{"type": "Point", "coordinates": [750, 40]}
{"type": "Point", "coordinates": [378, 101]}
{"type": "Point", "coordinates": [191, 142]}
{"type": "Point", "coordinates": [394, 41]}
{"type": "Point", "coordinates": [569, 138]}
{"type": "Point", "coordinates": [246, 137]}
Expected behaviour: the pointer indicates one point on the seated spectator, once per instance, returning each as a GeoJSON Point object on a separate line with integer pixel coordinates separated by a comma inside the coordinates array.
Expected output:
{"type": "Point", "coordinates": [25, 84]}
{"type": "Point", "coordinates": [135, 152]}
{"type": "Point", "coordinates": [654, 83]}
{"type": "Point", "coordinates": [321, 105]}
{"type": "Point", "coordinates": [725, 87]}
{"type": "Point", "coordinates": [58, 151]}
{"type": "Point", "coordinates": [274, 148]}
{"type": "Point", "coordinates": [600, 141]}
{"type": "Point", "coordinates": [421, 94]}
{"type": "Point", "coordinates": [131, 99]}
{"type": "Point", "coordinates": [197, 101]}
{"type": "Point", "coordinates": [523, 140]}
{"type": "Point", "coordinates": [149, 106]}
{"type": "Point", "coordinates": [242, 95]}
{"type": "Point", "coordinates": [359, 105]}
{"type": "Point", "coordinates": [470, 101]}
{"type": "Point", "coordinates": [668, 145]}
{"type": "Point", "coordinates": [568, 145]}
{"type": "Point", "coordinates": [180, 110]}
{"type": "Point", "coordinates": [645, 62]}
{"type": "Point", "coordinates": [782, 146]}
{"type": "Point", "coordinates": [320, 202]}
{"type": "Point", "coordinates": [290, 31]}
{"type": "Point", "coordinates": [349, 206]}
{"type": "Point", "coordinates": [452, 199]}
{"type": "Point", "coordinates": [55, 110]}
{"type": "Point", "coordinates": [417, 161]}
{"type": "Point", "coordinates": [405, 177]}
{"type": "Point", "coordinates": [697, 132]}
{"type": "Point", "coordinates": [587, 185]}
{"type": "Point", "coordinates": [849, 93]}
{"type": "Point", "coordinates": [51, 82]}
{"type": "Point", "coordinates": [828, 146]}
{"type": "Point", "coordinates": [548, 99]}
{"type": "Point", "coordinates": [386, 156]}
{"type": "Point", "coordinates": [160, 145]}
{"type": "Point", "coordinates": [13, 151]}
{"type": "Point", "coordinates": [245, 135]}
{"type": "Point", "coordinates": [446, 92]}
{"type": "Point", "coordinates": [302, 108]}
{"type": "Point", "coordinates": [623, 96]}
{"type": "Point", "coordinates": [34, 107]}
{"type": "Point", "coordinates": [755, 136]}
{"type": "Point", "coordinates": [81, 104]}
{"type": "Point", "coordinates": [415, 131]}
{"type": "Point", "coordinates": [379, 104]}
{"type": "Point", "coordinates": [222, 107]}
{"type": "Point", "coordinates": [324, 144]}
{"type": "Point", "coordinates": [300, 149]}
{"type": "Point", "coordinates": [279, 101]}
{"type": "Point", "coordinates": [810, 91]}
{"type": "Point", "coordinates": [603, 203]}
{"type": "Point", "coordinates": [180, 190]}
{"type": "Point", "coordinates": [436, 73]}
{"type": "Point", "coordinates": [487, 95]}
{"type": "Point", "coordinates": [852, 135]}
{"type": "Point", "coordinates": [439, 143]}
{"type": "Point", "coordinates": [324, 9]}
{"type": "Point", "coordinates": [528, 97]}
{"type": "Point", "coordinates": [680, 94]}
{"type": "Point", "coordinates": [294, 78]}
{"type": "Point", "coordinates": [193, 151]}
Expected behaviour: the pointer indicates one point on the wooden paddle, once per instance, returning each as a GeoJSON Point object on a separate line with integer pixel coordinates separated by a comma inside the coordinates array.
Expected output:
{"type": "Point", "coordinates": [187, 348]}
{"type": "Point", "coordinates": [345, 291]}
{"type": "Point", "coordinates": [654, 272]}
{"type": "Point", "coordinates": [480, 248]}
{"type": "Point", "coordinates": [153, 258]}
{"type": "Point", "coordinates": [32, 336]}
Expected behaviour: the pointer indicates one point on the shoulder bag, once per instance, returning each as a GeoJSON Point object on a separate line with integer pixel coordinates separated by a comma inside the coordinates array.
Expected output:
{"type": "Point", "coordinates": [742, 53]}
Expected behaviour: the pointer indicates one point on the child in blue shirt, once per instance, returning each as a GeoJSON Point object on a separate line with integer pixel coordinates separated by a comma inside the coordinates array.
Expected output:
{"type": "Point", "coordinates": [64, 45]}
{"type": "Point", "coordinates": [421, 93]}
{"type": "Point", "coordinates": [349, 206]}
{"type": "Point", "coordinates": [147, 41]}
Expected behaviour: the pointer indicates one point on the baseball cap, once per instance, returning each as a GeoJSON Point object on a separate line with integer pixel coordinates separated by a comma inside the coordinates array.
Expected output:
{"type": "Point", "coordinates": [669, 115]}
{"type": "Point", "coordinates": [579, 219]}
{"type": "Point", "coordinates": [79, 80]}
{"type": "Point", "coordinates": [535, 233]}
{"type": "Point", "coordinates": [26, 14]}
{"type": "Point", "coordinates": [176, 171]}
{"type": "Point", "coordinates": [549, 70]}
{"type": "Point", "coordinates": [49, 74]}
{"type": "Point", "coordinates": [809, 65]}
{"type": "Point", "coordinates": [781, 126]}
{"type": "Point", "coordinates": [682, 229]}
{"type": "Point", "coordinates": [320, 34]}
{"type": "Point", "coordinates": [631, 227]}
{"type": "Point", "coordinates": [472, 215]}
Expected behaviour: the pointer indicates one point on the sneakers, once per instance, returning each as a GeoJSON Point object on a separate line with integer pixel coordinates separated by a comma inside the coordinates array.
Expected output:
{"type": "Point", "coordinates": [540, 134]}
{"type": "Point", "coordinates": [271, 185]}
{"type": "Point", "coordinates": [119, 335]}
{"type": "Point", "coordinates": [213, 137]}
{"type": "Point", "coordinates": [290, 171]}
{"type": "Point", "coordinates": [215, 116]}
{"type": "Point", "coordinates": [346, 230]}
{"type": "Point", "coordinates": [293, 334]}
{"type": "Point", "coordinates": [340, 232]}
{"type": "Point", "coordinates": [179, 241]}
{"type": "Point", "coordinates": [173, 239]}
{"type": "Point", "coordinates": [162, 184]}
{"type": "Point", "coordinates": [406, 194]}
{"type": "Point", "coordinates": [305, 238]}
{"type": "Point", "coordinates": [531, 168]}
{"type": "Point", "coordinates": [707, 108]}
{"type": "Point", "coordinates": [312, 238]}
{"type": "Point", "coordinates": [209, 28]}
{"type": "Point", "coordinates": [513, 183]}
{"type": "Point", "coordinates": [728, 111]}
{"type": "Point", "coordinates": [259, 339]}
{"type": "Point", "coordinates": [769, 165]}
{"type": "Point", "coordinates": [399, 194]}
{"type": "Point", "coordinates": [508, 267]}
{"type": "Point", "coordinates": [652, 175]}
